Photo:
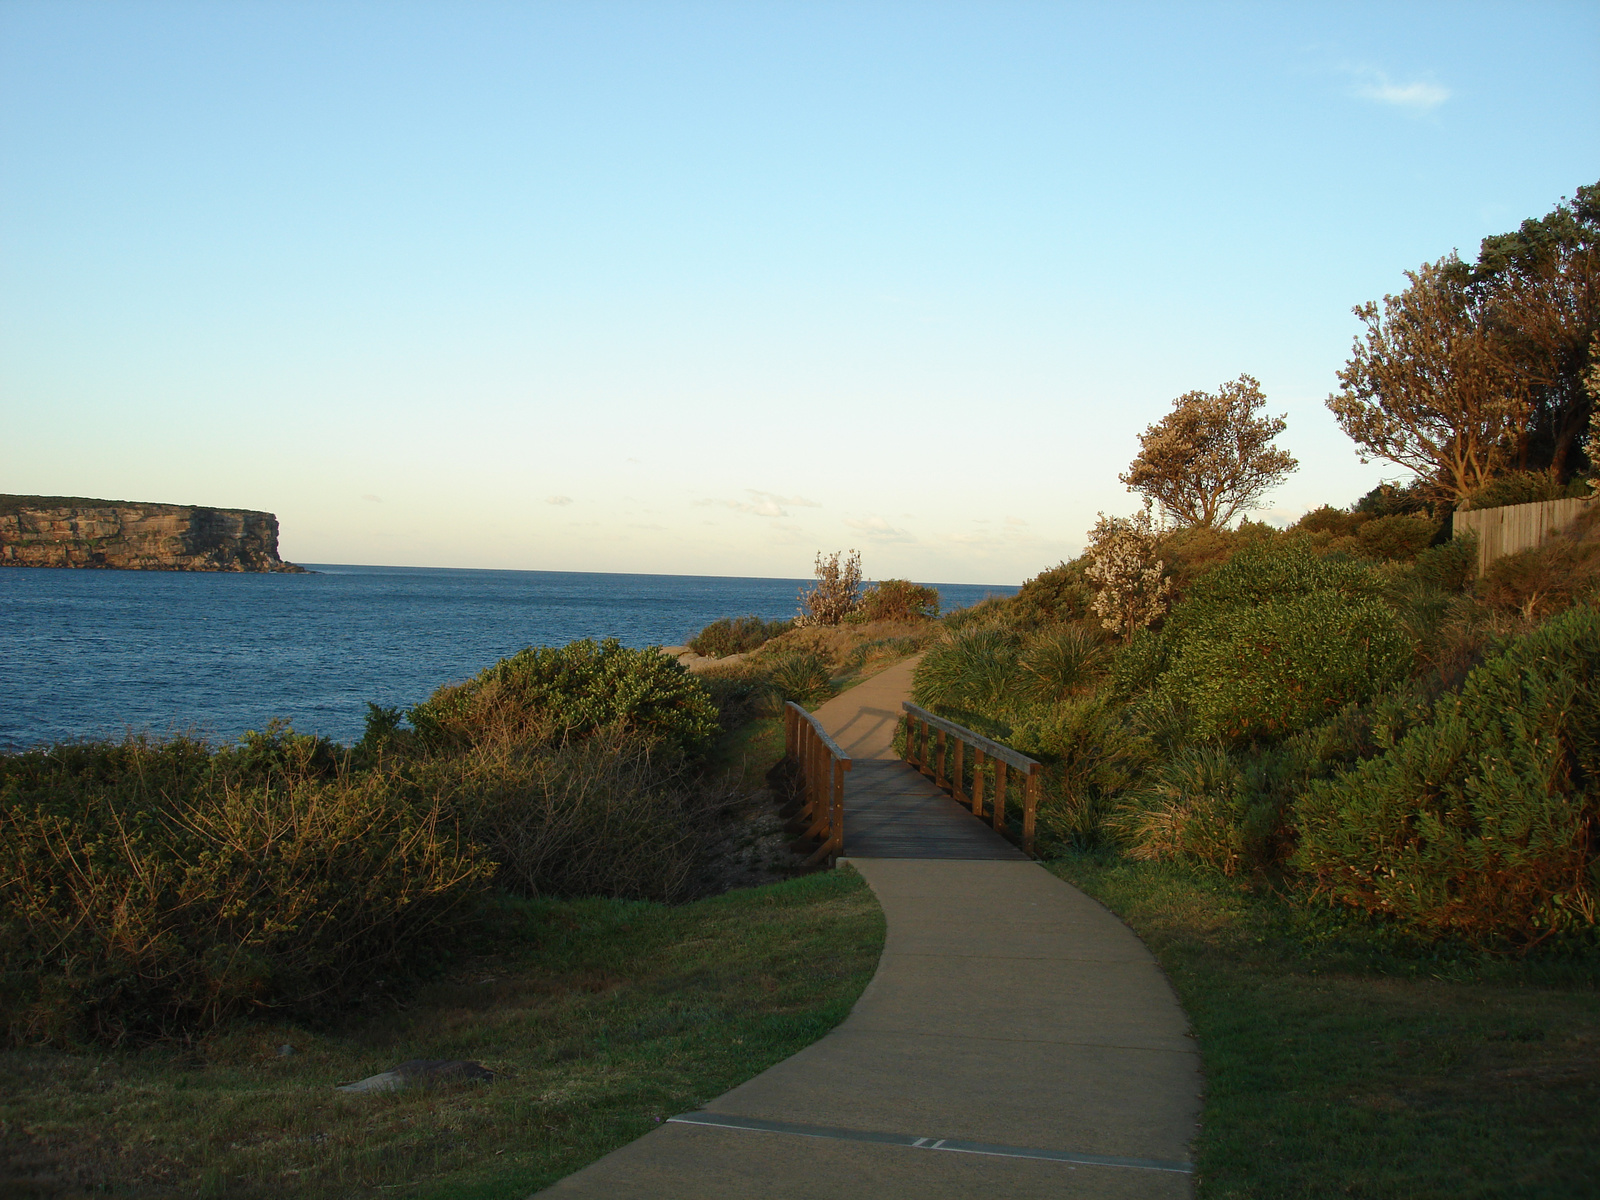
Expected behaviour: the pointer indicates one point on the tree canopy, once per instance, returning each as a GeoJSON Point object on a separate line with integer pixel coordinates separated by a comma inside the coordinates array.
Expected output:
{"type": "Point", "coordinates": [1212, 456]}
{"type": "Point", "coordinates": [1480, 368]}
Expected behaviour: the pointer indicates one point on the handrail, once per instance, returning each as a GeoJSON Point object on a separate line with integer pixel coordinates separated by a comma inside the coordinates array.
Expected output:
{"type": "Point", "coordinates": [818, 810]}
{"type": "Point", "coordinates": [983, 749]}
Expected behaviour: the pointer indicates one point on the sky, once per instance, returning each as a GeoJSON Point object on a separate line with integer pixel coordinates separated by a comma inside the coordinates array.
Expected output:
{"type": "Point", "coordinates": [709, 288]}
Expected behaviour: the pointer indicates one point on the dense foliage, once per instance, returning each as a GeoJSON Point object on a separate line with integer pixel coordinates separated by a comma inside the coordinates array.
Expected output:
{"type": "Point", "coordinates": [736, 635]}
{"type": "Point", "coordinates": [160, 888]}
{"type": "Point", "coordinates": [1341, 708]}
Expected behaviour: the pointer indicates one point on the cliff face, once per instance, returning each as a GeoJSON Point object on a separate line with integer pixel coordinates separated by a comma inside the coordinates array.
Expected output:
{"type": "Point", "coordinates": [69, 531]}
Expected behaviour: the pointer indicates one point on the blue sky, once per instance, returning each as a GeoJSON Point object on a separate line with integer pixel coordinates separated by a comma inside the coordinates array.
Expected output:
{"type": "Point", "coordinates": [707, 288]}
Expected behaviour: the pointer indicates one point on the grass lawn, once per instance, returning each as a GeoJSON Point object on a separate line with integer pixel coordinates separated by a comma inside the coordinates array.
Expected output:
{"type": "Point", "coordinates": [1339, 1063]}
{"type": "Point", "coordinates": [601, 1017]}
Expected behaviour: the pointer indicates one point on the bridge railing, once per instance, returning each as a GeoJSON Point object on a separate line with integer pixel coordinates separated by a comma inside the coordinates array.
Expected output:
{"type": "Point", "coordinates": [819, 769]}
{"type": "Point", "coordinates": [947, 764]}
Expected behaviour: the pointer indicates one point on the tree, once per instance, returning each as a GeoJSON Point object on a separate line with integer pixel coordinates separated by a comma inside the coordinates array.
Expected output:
{"type": "Point", "coordinates": [1123, 563]}
{"type": "Point", "coordinates": [1428, 388]}
{"type": "Point", "coordinates": [1479, 368]}
{"type": "Point", "coordinates": [837, 593]}
{"type": "Point", "coordinates": [1211, 457]}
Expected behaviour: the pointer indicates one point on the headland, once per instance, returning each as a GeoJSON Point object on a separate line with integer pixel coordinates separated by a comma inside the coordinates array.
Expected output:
{"type": "Point", "coordinates": [75, 531]}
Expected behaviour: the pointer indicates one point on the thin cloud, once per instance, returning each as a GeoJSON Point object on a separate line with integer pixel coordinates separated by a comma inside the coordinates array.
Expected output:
{"type": "Point", "coordinates": [371, 497]}
{"type": "Point", "coordinates": [763, 504]}
{"type": "Point", "coordinates": [558, 499]}
{"type": "Point", "coordinates": [878, 529]}
{"type": "Point", "coordinates": [1417, 96]}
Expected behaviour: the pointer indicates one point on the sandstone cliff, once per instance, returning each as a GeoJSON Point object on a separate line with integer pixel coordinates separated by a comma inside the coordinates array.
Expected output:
{"type": "Point", "coordinates": [70, 531]}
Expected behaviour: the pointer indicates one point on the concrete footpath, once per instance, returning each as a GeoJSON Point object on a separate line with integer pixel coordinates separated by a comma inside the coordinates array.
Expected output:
{"type": "Point", "coordinates": [1017, 1040]}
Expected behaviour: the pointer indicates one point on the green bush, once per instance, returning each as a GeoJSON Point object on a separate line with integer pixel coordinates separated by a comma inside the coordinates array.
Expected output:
{"type": "Point", "coordinates": [1193, 807]}
{"type": "Point", "coordinates": [1060, 594]}
{"type": "Point", "coordinates": [974, 671]}
{"type": "Point", "coordinates": [802, 676]}
{"type": "Point", "coordinates": [898, 600]}
{"type": "Point", "coordinates": [1482, 823]}
{"type": "Point", "coordinates": [1397, 537]}
{"type": "Point", "coordinates": [571, 692]}
{"type": "Point", "coordinates": [1266, 573]}
{"type": "Point", "coordinates": [1272, 670]}
{"type": "Point", "coordinates": [153, 889]}
{"type": "Point", "coordinates": [1091, 756]}
{"type": "Point", "coordinates": [1058, 663]}
{"type": "Point", "coordinates": [736, 635]}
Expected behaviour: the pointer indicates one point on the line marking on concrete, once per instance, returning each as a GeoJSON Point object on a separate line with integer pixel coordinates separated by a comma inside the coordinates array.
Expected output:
{"type": "Point", "coordinates": [753, 1125]}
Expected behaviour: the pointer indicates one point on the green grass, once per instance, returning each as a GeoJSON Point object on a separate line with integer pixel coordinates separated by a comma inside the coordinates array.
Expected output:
{"type": "Point", "coordinates": [601, 1017]}
{"type": "Point", "coordinates": [1342, 1062]}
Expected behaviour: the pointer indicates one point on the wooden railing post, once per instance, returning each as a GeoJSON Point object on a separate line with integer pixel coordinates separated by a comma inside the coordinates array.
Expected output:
{"type": "Point", "coordinates": [999, 794]}
{"type": "Point", "coordinates": [977, 781]}
{"type": "Point", "coordinates": [958, 777]}
{"type": "Point", "coordinates": [938, 761]}
{"type": "Point", "coordinates": [1030, 805]}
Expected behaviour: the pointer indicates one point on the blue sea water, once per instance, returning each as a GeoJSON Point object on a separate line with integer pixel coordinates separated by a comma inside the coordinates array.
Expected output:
{"type": "Point", "coordinates": [90, 654]}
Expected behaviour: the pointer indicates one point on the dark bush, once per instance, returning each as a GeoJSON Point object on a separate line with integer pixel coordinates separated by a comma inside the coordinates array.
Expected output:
{"type": "Point", "coordinates": [1330, 520]}
{"type": "Point", "coordinates": [1397, 537]}
{"type": "Point", "coordinates": [898, 600]}
{"type": "Point", "coordinates": [1521, 487]}
{"type": "Point", "coordinates": [1484, 823]}
{"type": "Point", "coordinates": [152, 889]}
{"type": "Point", "coordinates": [571, 691]}
{"type": "Point", "coordinates": [736, 635]}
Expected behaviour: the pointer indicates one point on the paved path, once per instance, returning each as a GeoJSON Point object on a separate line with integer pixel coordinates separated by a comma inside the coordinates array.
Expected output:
{"type": "Point", "coordinates": [1016, 1041]}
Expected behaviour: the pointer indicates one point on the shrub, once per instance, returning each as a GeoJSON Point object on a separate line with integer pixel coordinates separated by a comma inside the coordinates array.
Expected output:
{"type": "Point", "coordinates": [153, 890]}
{"type": "Point", "coordinates": [602, 816]}
{"type": "Point", "coordinates": [571, 692]}
{"type": "Point", "coordinates": [1336, 522]}
{"type": "Point", "coordinates": [899, 600]}
{"type": "Point", "coordinates": [837, 591]}
{"type": "Point", "coordinates": [1481, 824]}
{"type": "Point", "coordinates": [1272, 670]}
{"type": "Point", "coordinates": [1059, 594]}
{"type": "Point", "coordinates": [973, 671]}
{"type": "Point", "coordinates": [1520, 487]}
{"type": "Point", "coordinates": [1092, 756]}
{"type": "Point", "coordinates": [1399, 537]}
{"type": "Point", "coordinates": [736, 635]}
{"type": "Point", "coordinates": [802, 676]}
{"type": "Point", "coordinates": [1192, 808]}
{"type": "Point", "coordinates": [1450, 565]}
{"type": "Point", "coordinates": [1133, 590]}
{"type": "Point", "coordinates": [1265, 573]}
{"type": "Point", "coordinates": [1545, 579]}
{"type": "Point", "coordinates": [1058, 663]}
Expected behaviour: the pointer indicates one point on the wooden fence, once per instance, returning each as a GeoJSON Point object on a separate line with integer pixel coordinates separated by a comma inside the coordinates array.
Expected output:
{"type": "Point", "coordinates": [817, 812]}
{"type": "Point", "coordinates": [1512, 527]}
{"type": "Point", "coordinates": [947, 765]}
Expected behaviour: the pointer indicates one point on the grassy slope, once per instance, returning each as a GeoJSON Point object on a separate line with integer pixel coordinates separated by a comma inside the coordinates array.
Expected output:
{"type": "Point", "coordinates": [1338, 1065]}
{"type": "Point", "coordinates": [601, 1016]}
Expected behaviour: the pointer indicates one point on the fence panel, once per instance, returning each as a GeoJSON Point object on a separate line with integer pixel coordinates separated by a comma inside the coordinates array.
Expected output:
{"type": "Point", "coordinates": [1513, 527]}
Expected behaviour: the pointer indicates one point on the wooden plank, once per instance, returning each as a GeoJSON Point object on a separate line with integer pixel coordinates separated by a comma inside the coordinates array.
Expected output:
{"type": "Point", "coordinates": [992, 749]}
{"type": "Point", "coordinates": [1510, 528]}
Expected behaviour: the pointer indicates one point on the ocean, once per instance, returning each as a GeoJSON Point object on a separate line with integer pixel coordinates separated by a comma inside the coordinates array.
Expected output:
{"type": "Point", "coordinates": [95, 654]}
